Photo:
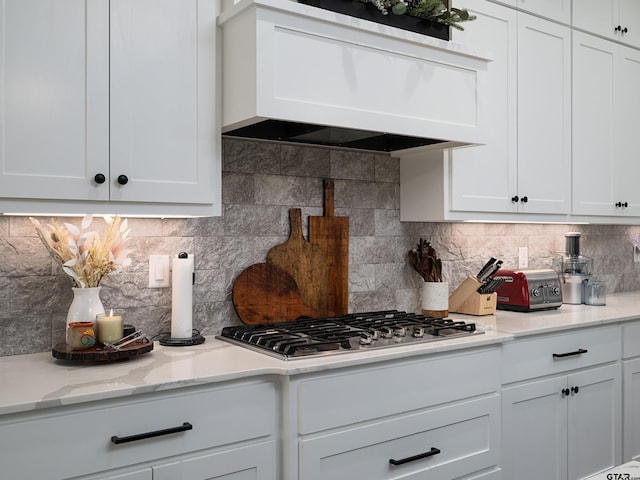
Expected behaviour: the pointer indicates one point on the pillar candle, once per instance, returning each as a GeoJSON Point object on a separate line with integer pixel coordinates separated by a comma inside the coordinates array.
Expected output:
{"type": "Point", "coordinates": [109, 327]}
{"type": "Point", "coordinates": [182, 296]}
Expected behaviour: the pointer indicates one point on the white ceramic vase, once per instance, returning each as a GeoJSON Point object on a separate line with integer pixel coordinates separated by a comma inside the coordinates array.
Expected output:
{"type": "Point", "coordinates": [435, 299]}
{"type": "Point", "coordinates": [85, 306]}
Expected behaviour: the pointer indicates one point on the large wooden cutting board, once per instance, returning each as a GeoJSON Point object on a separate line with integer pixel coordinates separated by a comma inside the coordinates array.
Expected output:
{"type": "Point", "coordinates": [265, 293]}
{"type": "Point", "coordinates": [331, 233]}
{"type": "Point", "coordinates": [305, 262]}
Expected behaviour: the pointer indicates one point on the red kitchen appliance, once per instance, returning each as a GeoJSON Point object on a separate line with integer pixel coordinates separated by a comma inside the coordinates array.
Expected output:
{"type": "Point", "coordinates": [529, 290]}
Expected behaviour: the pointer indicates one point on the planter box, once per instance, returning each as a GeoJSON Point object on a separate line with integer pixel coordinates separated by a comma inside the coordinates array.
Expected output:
{"type": "Point", "coordinates": [367, 11]}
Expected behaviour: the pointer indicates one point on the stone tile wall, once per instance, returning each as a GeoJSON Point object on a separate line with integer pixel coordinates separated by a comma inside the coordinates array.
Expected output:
{"type": "Point", "coordinates": [261, 181]}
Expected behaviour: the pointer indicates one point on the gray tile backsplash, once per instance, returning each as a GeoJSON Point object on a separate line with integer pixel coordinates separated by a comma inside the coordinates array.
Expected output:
{"type": "Point", "coordinates": [261, 181]}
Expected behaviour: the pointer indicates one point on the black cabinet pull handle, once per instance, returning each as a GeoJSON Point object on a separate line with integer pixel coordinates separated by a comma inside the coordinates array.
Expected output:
{"type": "Point", "coordinates": [620, 204]}
{"type": "Point", "coordinates": [99, 178]}
{"type": "Point", "coordinates": [123, 179]}
{"type": "Point", "coordinates": [565, 392]}
{"type": "Point", "coordinates": [515, 199]}
{"type": "Point", "coordinates": [625, 30]}
{"type": "Point", "coordinates": [430, 453]}
{"type": "Point", "coordinates": [158, 433]}
{"type": "Point", "coordinates": [618, 28]}
{"type": "Point", "coordinates": [580, 351]}
{"type": "Point", "coordinates": [575, 389]}
{"type": "Point", "coordinates": [525, 199]}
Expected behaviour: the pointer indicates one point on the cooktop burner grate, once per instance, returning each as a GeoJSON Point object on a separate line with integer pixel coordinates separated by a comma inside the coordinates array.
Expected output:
{"type": "Point", "coordinates": [349, 333]}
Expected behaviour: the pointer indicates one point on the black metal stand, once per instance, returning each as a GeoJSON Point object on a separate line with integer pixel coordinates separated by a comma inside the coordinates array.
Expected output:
{"type": "Point", "coordinates": [169, 341]}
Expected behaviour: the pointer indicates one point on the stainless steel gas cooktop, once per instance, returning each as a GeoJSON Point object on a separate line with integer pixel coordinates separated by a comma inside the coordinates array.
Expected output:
{"type": "Point", "coordinates": [350, 333]}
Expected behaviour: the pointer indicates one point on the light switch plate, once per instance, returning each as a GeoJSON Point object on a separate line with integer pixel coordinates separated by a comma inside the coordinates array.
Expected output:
{"type": "Point", "coordinates": [523, 257]}
{"type": "Point", "coordinates": [158, 271]}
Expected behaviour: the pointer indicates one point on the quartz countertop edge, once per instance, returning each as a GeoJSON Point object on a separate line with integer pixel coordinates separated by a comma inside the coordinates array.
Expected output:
{"type": "Point", "coordinates": [38, 381]}
{"type": "Point", "coordinates": [621, 307]}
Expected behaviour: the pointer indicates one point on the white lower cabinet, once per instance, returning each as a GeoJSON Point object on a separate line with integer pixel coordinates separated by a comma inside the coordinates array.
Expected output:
{"type": "Point", "coordinates": [435, 417]}
{"type": "Point", "coordinates": [189, 434]}
{"type": "Point", "coordinates": [569, 425]}
{"type": "Point", "coordinates": [253, 462]}
{"type": "Point", "coordinates": [631, 391]}
{"type": "Point", "coordinates": [443, 443]}
{"type": "Point", "coordinates": [631, 402]}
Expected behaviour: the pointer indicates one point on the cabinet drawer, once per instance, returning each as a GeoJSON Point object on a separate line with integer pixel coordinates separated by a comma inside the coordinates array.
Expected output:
{"type": "Point", "coordinates": [79, 441]}
{"type": "Point", "coordinates": [347, 398]}
{"type": "Point", "coordinates": [631, 340]}
{"type": "Point", "coordinates": [550, 354]}
{"type": "Point", "coordinates": [461, 439]}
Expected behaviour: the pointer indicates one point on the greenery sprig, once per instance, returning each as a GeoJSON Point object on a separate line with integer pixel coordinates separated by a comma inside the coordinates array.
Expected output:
{"type": "Point", "coordinates": [434, 10]}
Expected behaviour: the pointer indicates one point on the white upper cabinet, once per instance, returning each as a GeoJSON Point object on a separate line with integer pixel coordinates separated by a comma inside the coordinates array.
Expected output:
{"type": "Point", "coordinates": [544, 116]}
{"type": "Point", "coordinates": [111, 105]}
{"type": "Point", "coordinates": [525, 166]}
{"type": "Point", "coordinates": [627, 105]}
{"type": "Point", "coordinates": [613, 19]}
{"type": "Point", "coordinates": [163, 100]}
{"type": "Point", "coordinates": [54, 103]}
{"type": "Point", "coordinates": [557, 10]}
{"type": "Point", "coordinates": [485, 177]}
{"type": "Point", "coordinates": [606, 110]}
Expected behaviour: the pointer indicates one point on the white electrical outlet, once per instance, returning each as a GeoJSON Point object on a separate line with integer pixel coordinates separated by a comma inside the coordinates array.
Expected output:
{"type": "Point", "coordinates": [523, 257]}
{"type": "Point", "coordinates": [158, 271]}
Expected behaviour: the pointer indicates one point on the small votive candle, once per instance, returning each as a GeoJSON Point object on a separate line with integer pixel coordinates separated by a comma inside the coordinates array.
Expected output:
{"type": "Point", "coordinates": [109, 326]}
{"type": "Point", "coordinates": [80, 335]}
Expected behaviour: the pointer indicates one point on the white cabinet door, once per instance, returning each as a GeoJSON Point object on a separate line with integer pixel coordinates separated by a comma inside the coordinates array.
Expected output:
{"type": "Point", "coordinates": [534, 430]}
{"type": "Point", "coordinates": [594, 124]}
{"type": "Point", "coordinates": [143, 474]}
{"type": "Point", "coordinates": [564, 427]}
{"type": "Point", "coordinates": [485, 177]}
{"type": "Point", "coordinates": [597, 16]}
{"type": "Point", "coordinates": [627, 154]}
{"type": "Point", "coordinates": [606, 109]}
{"type": "Point", "coordinates": [631, 414]}
{"type": "Point", "coordinates": [630, 22]}
{"type": "Point", "coordinates": [526, 165]}
{"type": "Point", "coordinates": [556, 10]}
{"type": "Point", "coordinates": [613, 19]}
{"type": "Point", "coordinates": [254, 462]}
{"type": "Point", "coordinates": [164, 136]}
{"type": "Point", "coordinates": [449, 442]}
{"type": "Point", "coordinates": [54, 105]}
{"type": "Point", "coordinates": [544, 116]}
{"type": "Point", "coordinates": [594, 421]}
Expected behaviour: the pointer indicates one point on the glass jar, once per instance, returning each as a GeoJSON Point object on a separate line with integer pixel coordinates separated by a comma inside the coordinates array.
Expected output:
{"type": "Point", "coordinates": [80, 335]}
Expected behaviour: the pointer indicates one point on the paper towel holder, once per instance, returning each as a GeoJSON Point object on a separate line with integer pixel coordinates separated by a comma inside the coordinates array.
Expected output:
{"type": "Point", "coordinates": [181, 321]}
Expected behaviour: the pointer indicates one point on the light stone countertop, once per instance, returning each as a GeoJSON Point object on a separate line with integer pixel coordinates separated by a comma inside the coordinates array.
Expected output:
{"type": "Point", "coordinates": [38, 381]}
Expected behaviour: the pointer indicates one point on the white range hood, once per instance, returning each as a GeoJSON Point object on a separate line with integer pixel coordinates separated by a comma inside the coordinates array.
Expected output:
{"type": "Point", "coordinates": [298, 73]}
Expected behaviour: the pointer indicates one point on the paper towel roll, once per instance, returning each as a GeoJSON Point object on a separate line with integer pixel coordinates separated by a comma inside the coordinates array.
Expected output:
{"type": "Point", "coordinates": [182, 296]}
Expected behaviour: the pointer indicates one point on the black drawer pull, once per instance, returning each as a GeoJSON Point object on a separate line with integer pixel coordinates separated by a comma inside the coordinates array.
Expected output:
{"type": "Point", "coordinates": [158, 433]}
{"type": "Point", "coordinates": [430, 453]}
{"type": "Point", "coordinates": [580, 351]}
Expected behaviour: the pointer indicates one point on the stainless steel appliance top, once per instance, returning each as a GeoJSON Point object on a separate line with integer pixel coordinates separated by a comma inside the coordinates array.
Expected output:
{"type": "Point", "coordinates": [350, 333]}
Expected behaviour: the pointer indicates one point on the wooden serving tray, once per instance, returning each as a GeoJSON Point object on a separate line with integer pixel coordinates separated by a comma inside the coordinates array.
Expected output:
{"type": "Point", "coordinates": [100, 354]}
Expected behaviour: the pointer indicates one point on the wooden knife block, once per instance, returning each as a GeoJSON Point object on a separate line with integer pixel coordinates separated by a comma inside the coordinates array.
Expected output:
{"type": "Point", "coordinates": [466, 299]}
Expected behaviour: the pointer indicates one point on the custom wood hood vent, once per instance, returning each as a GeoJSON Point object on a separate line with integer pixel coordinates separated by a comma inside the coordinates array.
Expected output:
{"type": "Point", "coordinates": [297, 73]}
